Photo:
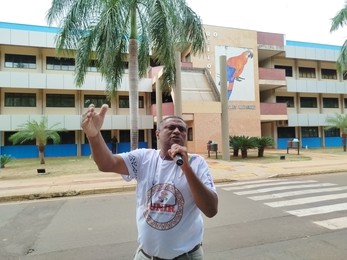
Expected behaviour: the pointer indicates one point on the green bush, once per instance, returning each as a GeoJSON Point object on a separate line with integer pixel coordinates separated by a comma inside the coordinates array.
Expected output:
{"type": "Point", "coordinates": [242, 143]}
{"type": "Point", "coordinates": [5, 159]}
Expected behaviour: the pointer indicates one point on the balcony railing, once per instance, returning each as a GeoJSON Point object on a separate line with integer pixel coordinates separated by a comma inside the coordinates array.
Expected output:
{"type": "Point", "coordinates": [272, 74]}
{"type": "Point", "coordinates": [167, 109]}
{"type": "Point", "coordinates": [274, 39]}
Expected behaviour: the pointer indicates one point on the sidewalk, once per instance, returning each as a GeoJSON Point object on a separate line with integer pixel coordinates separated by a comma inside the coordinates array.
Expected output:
{"type": "Point", "coordinates": [222, 171]}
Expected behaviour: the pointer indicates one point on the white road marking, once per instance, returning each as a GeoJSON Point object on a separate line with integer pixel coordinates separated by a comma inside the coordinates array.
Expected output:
{"type": "Point", "coordinates": [301, 201]}
{"type": "Point", "coordinates": [318, 210]}
{"type": "Point", "coordinates": [279, 188]}
{"type": "Point", "coordinates": [299, 192]}
{"type": "Point", "coordinates": [252, 186]}
{"type": "Point", "coordinates": [334, 223]}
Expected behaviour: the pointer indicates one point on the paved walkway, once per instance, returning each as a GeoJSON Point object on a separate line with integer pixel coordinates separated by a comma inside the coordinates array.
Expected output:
{"type": "Point", "coordinates": [222, 171]}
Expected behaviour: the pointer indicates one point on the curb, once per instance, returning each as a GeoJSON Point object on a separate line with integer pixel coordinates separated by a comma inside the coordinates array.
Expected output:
{"type": "Point", "coordinates": [126, 188]}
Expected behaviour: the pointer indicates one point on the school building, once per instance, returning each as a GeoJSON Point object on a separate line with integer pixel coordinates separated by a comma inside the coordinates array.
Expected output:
{"type": "Point", "coordinates": [278, 88]}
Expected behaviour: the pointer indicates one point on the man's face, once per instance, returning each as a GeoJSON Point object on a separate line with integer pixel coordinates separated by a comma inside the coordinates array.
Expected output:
{"type": "Point", "coordinates": [172, 131]}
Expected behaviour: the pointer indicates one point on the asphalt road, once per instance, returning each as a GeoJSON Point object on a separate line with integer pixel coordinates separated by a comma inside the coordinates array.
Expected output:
{"type": "Point", "coordinates": [296, 218]}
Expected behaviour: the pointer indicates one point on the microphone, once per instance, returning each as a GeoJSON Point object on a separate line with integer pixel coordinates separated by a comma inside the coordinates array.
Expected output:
{"type": "Point", "coordinates": [178, 159]}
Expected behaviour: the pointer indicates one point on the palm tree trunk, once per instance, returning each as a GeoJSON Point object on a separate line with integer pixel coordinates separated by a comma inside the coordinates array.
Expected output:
{"type": "Point", "coordinates": [244, 153]}
{"type": "Point", "coordinates": [344, 141]}
{"type": "Point", "coordinates": [178, 88]}
{"type": "Point", "coordinates": [159, 104]}
{"type": "Point", "coordinates": [133, 83]}
{"type": "Point", "coordinates": [41, 148]}
{"type": "Point", "coordinates": [261, 152]}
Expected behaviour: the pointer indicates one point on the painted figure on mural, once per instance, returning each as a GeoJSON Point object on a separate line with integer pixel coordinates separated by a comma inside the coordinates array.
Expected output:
{"type": "Point", "coordinates": [235, 66]}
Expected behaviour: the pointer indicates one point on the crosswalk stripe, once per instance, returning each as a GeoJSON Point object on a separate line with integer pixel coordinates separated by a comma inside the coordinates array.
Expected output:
{"type": "Point", "coordinates": [318, 210]}
{"type": "Point", "coordinates": [299, 192]}
{"type": "Point", "coordinates": [252, 186]}
{"type": "Point", "coordinates": [285, 203]}
{"type": "Point", "coordinates": [240, 183]}
{"type": "Point", "coordinates": [278, 188]}
{"type": "Point", "coordinates": [333, 224]}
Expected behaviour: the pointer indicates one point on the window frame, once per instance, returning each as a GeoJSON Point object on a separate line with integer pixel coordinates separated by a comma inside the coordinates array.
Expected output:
{"type": "Point", "coordinates": [307, 72]}
{"type": "Point", "coordinates": [20, 61]}
{"type": "Point", "coordinates": [289, 100]}
{"type": "Point", "coordinates": [60, 100]}
{"type": "Point", "coordinates": [25, 99]}
{"type": "Point", "coordinates": [329, 102]}
{"type": "Point", "coordinates": [64, 64]}
{"type": "Point", "coordinates": [305, 100]}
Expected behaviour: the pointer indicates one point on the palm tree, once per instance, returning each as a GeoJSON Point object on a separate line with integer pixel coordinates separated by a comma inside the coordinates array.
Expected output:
{"type": "Point", "coordinates": [106, 30]}
{"type": "Point", "coordinates": [263, 142]}
{"type": "Point", "coordinates": [32, 130]}
{"type": "Point", "coordinates": [339, 20]}
{"type": "Point", "coordinates": [338, 121]}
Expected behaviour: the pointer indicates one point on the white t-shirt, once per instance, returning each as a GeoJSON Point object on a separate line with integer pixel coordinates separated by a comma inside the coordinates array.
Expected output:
{"type": "Point", "coordinates": [168, 221]}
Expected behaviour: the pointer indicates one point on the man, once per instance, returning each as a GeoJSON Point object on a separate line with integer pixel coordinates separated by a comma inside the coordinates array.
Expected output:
{"type": "Point", "coordinates": [114, 142]}
{"type": "Point", "coordinates": [170, 197]}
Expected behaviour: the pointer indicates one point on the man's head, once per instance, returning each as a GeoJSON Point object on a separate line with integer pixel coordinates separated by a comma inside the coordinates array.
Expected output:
{"type": "Point", "coordinates": [171, 130]}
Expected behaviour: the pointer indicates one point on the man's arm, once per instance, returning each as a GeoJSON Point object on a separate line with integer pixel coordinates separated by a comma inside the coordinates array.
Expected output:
{"type": "Point", "coordinates": [105, 160]}
{"type": "Point", "coordinates": [205, 199]}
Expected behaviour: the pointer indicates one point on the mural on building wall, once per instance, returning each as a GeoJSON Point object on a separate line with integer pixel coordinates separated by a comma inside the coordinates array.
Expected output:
{"type": "Point", "coordinates": [240, 72]}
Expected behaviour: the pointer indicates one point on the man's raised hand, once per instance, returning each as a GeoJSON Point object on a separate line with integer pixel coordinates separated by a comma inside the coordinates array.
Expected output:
{"type": "Point", "coordinates": [92, 121]}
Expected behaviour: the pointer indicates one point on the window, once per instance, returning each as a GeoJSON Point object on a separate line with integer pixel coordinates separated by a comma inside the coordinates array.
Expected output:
{"type": "Point", "coordinates": [285, 99]}
{"type": "Point", "coordinates": [20, 61]}
{"type": "Point", "coordinates": [141, 135]}
{"type": "Point", "coordinates": [141, 102]}
{"type": "Point", "coordinates": [97, 100]}
{"type": "Point", "coordinates": [308, 102]}
{"type": "Point", "coordinates": [60, 100]}
{"type": "Point", "coordinates": [124, 136]}
{"type": "Point", "coordinates": [307, 72]}
{"type": "Point", "coordinates": [329, 74]}
{"type": "Point", "coordinates": [345, 102]}
{"type": "Point", "coordinates": [332, 132]}
{"type": "Point", "coordinates": [286, 132]}
{"type": "Point", "coordinates": [288, 70]}
{"type": "Point", "coordinates": [67, 137]}
{"type": "Point", "coordinates": [92, 66]}
{"type": "Point", "coordinates": [124, 102]}
{"type": "Point", "coordinates": [20, 100]}
{"type": "Point", "coordinates": [330, 103]}
{"type": "Point", "coordinates": [54, 63]}
{"type": "Point", "coordinates": [8, 142]}
{"type": "Point", "coordinates": [309, 131]}
{"type": "Point", "coordinates": [190, 134]}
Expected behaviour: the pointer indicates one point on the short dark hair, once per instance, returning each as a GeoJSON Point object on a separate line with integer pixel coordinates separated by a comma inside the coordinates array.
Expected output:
{"type": "Point", "coordinates": [170, 117]}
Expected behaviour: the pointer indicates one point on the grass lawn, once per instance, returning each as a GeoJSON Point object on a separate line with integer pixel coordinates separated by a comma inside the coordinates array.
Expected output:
{"type": "Point", "coordinates": [54, 166]}
{"type": "Point", "coordinates": [57, 166]}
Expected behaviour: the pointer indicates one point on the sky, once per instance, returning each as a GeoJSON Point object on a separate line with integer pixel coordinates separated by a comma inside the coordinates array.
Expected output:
{"type": "Point", "coordinates": [298, 20]}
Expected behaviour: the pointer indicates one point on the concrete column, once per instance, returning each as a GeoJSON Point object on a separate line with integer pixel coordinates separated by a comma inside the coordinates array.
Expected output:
{"type": "Point", "coordinates": [159, 104]}
{"type": "Point", "coordinates": [224, 104]}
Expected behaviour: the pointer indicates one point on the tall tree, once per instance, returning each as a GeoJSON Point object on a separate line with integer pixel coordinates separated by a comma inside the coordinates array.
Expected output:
{"type": "Point", "coordinates": [338, 121]}
{"type": "Point", "coordinates": [338, 21]}
{"type": "Point", "coordinates": [117, 31]}
{"type": "Point", "coordinates": [39, 131]}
